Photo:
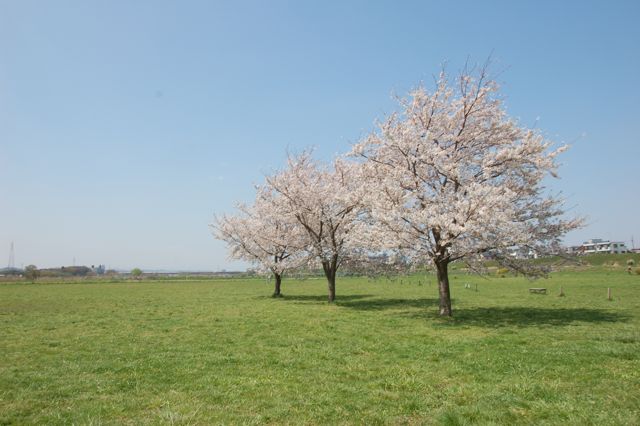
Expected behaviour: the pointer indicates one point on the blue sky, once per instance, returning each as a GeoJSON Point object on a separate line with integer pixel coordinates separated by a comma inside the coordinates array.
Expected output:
{"type": "Point", "coordinates": [124, 126]}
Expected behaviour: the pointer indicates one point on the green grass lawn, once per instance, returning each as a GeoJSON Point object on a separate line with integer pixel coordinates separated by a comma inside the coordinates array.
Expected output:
{"type": "Point", "coordinates": [223, 351]}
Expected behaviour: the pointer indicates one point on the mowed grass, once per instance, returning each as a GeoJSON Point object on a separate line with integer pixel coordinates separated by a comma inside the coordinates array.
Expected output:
{"type": "Point", "coordinates": [223, 351]}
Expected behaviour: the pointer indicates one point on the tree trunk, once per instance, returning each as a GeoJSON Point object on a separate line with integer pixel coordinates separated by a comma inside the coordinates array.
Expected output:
{"type": "Point", "coordinates": [330, 273]}
{"type": "Point", "coordinates": [331, 282]}
{"type": "Point", "coordinates": [276, 290]}
{"type": "Point", "coordinates": [442, 266]}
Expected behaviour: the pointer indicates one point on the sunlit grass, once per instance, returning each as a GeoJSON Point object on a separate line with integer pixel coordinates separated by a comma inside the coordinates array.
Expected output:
{"type": "Point", "coordinates": [225, 352]}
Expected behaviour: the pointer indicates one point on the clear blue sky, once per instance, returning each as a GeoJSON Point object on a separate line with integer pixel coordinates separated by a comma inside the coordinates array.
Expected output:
{"type": "Point", "coordinates": [125, 125]}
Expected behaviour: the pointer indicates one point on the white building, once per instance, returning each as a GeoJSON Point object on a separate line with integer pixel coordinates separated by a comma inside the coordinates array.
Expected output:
{"type": "Point", "coordinates": [597, 245]}
{"type": "Point", "coordinates": [519, 252]}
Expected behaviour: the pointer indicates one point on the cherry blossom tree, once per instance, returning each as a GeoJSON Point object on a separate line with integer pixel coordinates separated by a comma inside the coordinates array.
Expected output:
{"type": "Point", "coordinates": [258, 234]}
{"type": "Point", "coordinates": [322, 200]}
{"type": "Point", "coordinates": [451, 177]}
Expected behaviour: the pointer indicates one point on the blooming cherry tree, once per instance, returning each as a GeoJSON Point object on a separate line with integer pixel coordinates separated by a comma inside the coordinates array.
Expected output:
{"type": "Point", "coordinates": [453, 177]}
{"type": "Point", "coordinates": [323, 202]}
{"type": "Point", "coordinates": [258, 234]}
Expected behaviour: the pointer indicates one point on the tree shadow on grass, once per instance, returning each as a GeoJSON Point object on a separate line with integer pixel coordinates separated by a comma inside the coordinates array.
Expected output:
{"type": "Point", "coordinates": [383, 304]}
{"type": "Point", "coordinates": [508, 316]}
{"type": "Point", "coordinates": [318, 298]}
{"type": "Point", "coordinates": [492, 317]}
{"type": "Point", "coordinates": [516, 316]}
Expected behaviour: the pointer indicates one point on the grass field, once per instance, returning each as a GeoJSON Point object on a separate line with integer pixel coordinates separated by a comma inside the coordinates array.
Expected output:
{"type": "Point", "coordinates": [222, 351]}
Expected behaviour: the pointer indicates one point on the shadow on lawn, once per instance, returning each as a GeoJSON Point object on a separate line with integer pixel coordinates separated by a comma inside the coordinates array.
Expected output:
{"type": "Point", "coordinates": [323, 298]}
{"type": "Point", "coordinates": [509, 316]}
{"type": "Point", "coordinates": [381, 304]}
{"type": "Point", "coordinates": [527, 317]}
{"type": "Point", "coordinates": [367, 302]}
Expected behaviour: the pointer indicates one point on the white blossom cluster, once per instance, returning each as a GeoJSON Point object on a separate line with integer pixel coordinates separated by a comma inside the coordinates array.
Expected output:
{"type": "Point", "coordinates": [258, 235]}
{"type": "Point", "coordinates": [323, 203]}
{"type": "Point", "coordinates": [452, 177]}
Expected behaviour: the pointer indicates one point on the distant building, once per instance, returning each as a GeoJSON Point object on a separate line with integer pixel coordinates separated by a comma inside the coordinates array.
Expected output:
{"type": "Point", "coordinates": [10, 271]}
{"type": "Point", "coordinates": [99, 270]}
{"type": "Point", "coordinates": [596, 245]}
{"type": "Point", "coordinates": [520, 252]}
